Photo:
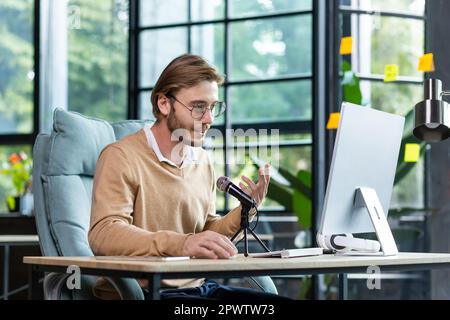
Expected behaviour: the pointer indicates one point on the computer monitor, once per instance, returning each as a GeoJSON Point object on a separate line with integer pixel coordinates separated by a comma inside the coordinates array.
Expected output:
{"type": "Point", "coordinates": [362, 174]}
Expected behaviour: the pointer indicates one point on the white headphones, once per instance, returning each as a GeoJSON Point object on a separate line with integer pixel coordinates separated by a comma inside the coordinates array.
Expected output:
{"type": "Point", "coordinates": [346, 242]}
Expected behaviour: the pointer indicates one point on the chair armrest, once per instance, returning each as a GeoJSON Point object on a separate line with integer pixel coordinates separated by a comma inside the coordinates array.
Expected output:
{"type": "Point", "coordinates": [263, 283]}
{"type": "Point", "coordinates": [55, 288]}
{"type": "Point", "coordinates": [128, 288]}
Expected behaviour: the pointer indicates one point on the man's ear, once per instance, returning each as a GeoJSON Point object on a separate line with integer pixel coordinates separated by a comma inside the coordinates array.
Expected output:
{"type": "Point", "coordinates": [164, 105]}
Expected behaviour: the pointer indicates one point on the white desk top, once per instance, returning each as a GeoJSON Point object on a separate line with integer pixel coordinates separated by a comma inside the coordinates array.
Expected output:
{"type": "Point", "coordinates": [241, 263]}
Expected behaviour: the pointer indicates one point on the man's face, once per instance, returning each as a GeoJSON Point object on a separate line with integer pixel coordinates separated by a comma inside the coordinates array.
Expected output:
{"type": "Point", "coordinates": [180, 121]}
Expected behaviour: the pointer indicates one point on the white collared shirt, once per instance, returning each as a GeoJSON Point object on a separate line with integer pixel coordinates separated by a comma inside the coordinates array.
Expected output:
{"type": "Point", "coordinates": [189, 158]}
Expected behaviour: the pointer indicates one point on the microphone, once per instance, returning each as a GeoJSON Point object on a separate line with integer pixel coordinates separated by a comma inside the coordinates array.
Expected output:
{"type": "Point", "coordinates": [224, 184]}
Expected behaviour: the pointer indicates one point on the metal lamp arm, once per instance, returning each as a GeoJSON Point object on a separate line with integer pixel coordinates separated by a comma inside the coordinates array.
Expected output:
{"type": "Point", "coordinates": [445, 93]}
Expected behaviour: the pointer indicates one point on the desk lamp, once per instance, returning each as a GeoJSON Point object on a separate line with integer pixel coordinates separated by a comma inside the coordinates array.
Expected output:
{"type": "Point", "coordinates": [432, 116]}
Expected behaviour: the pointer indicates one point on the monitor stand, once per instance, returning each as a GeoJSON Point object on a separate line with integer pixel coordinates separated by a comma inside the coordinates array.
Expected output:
{"type": "Point", "coordinates": [367, 197]}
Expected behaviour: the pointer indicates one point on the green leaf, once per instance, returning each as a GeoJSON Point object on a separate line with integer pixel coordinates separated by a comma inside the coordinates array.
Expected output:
{"type": "Point", "coordinates": [280, 195]}
{"type": "Point", "coordinates": [305, 288]}
{"type": "Point", "coordinates": [301, 203]}
{"type": "Point", "coordinates": [275, 175]}
{"type": "Point", "coordinates": [11, 203]}
{"type": "Point", "coordinates": [248, 169]}
{"type": "Point", "coordinates": [350, 85]}
{"type": "Point", "coordinates": [346, 66]}
{"type": "Point", "coordinates": [299, 184]}
{"type": "Point", "coordinates": [409, 122]}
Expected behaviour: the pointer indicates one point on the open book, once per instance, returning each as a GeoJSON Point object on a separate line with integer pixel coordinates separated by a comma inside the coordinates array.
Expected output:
{"type": "Point", "coordinates": [290, 253]}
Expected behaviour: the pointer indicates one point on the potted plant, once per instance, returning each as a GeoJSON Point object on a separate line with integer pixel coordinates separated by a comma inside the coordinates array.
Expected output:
{"type": "Point", "coordinates": [19, 167]}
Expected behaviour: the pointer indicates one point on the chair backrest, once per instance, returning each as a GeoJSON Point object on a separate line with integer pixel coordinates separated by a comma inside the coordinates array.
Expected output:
{"type": "Point", "coordinates": [64, 167]}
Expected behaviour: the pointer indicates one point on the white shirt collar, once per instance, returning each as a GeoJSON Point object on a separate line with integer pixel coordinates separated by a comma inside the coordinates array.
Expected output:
{"type": "Point", "coordinates": [190, 157]}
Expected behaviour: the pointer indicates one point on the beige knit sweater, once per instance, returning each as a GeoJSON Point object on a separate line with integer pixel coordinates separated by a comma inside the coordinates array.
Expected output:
{"type": "Point", "coordinates": [144, 207]}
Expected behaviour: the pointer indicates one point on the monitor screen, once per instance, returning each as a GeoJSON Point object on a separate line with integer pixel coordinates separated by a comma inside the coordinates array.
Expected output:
{"type": "Point", "coordinates": [365, 155]}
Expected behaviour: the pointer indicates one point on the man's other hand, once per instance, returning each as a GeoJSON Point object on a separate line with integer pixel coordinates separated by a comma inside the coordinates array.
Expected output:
{"type": "Point", "coordinates": [257, 191]}
{"type": "Point", "coordinates": [209, 245]}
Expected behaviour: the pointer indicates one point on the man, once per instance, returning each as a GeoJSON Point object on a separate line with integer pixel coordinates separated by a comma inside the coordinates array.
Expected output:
{"type": "Point", "coordinates": [154, 191]}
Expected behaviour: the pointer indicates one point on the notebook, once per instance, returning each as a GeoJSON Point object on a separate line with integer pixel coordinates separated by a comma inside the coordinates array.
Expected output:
{"type": "Point", "coordinates": [289, 253]}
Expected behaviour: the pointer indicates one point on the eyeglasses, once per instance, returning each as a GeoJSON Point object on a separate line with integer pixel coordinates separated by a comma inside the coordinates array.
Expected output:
{"type": "Point", "coordinates": [199, 109]}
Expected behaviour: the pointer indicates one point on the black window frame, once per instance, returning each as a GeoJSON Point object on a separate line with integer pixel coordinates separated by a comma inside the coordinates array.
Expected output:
{"type": "Point", "coordinates": [284, 127]}
{"type": "Point", "coordinates": [345, 12]}
{"type": "Point", "coordinates": [324, 81]}
{"type": "Point", "coordinates": [344, 16]}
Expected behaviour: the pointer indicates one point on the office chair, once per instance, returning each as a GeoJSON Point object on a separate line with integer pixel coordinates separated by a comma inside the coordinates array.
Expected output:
{"type": "Point", "coordinates": [63, 171]}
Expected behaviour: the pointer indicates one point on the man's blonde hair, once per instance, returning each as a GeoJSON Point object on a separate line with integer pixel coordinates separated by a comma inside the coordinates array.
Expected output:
{"type": "Point", "coordinates": [183, 72]}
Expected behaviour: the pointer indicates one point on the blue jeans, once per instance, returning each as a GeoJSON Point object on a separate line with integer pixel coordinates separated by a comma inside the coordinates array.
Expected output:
{"type": "Point", "coordinates": [211, 290]}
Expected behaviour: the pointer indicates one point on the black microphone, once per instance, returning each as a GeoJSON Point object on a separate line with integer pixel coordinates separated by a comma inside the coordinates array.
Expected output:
{"type": "Point", "coordinates": [224, 184]}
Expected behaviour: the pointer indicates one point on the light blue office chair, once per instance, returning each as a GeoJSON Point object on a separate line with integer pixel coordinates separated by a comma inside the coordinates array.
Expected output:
{"type": "Point", "coordinates": [64, 166]}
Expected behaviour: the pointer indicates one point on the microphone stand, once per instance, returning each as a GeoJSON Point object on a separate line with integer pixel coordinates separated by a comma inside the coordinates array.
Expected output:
{"type": "Point", "coordinates": [245, 227]}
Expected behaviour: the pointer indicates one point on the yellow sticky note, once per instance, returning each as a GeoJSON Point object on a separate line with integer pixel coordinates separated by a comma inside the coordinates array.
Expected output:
{"type": "Point", "coordinates": [412, 152]}
{"type": "Point", "coordinates": [346, 45]}
{"type": "Point", "coordinates": [391, 72]}
{"type": "Point", "coordinates": [333, 121]}
{"type": "Point", "coordinates": [426, 63]}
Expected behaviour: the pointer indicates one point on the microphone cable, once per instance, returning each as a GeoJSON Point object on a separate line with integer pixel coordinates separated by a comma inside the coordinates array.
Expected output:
{"type": "Point", "coordinates": [257, 219]}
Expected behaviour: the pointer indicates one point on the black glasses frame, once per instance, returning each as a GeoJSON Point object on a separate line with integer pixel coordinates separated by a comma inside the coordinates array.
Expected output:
{"type": "Point", "coordinates": [218, 108]}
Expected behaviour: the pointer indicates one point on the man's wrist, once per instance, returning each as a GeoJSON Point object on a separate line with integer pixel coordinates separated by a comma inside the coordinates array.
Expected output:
{"type": "Point", "coordinates": [185, 249]}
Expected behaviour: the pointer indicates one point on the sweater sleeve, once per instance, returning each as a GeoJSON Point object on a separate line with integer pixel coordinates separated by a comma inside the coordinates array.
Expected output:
{"type": "Point", "coordinates": [111, 229]}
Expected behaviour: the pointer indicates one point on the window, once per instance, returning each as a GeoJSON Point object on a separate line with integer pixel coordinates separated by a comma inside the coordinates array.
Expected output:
{"type": "Point", "coordinates": [83, 66]}
{"type": "Point", "coordinates": [17, 75]}
{"type": "Point", "coordinates": [385, 33]}
{"type": "Point", "coordinates": [98, 58]}
{"type": "Point", "coordinates": [392, 33]}
{"type": "Point", "coordinates": [16, 67]}
{"type": "Point", "coordinates": [84, 58]}
{"type": "Point", "coordinates": [265, 50]}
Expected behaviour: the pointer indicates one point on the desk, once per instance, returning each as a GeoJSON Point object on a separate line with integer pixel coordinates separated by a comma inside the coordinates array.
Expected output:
{"type": "Point", "coordinates": [7, 241]}
{"type": "Point", "coordinates": [15, 223]}
{"type": "Point", "coordinates": [154, 271]}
